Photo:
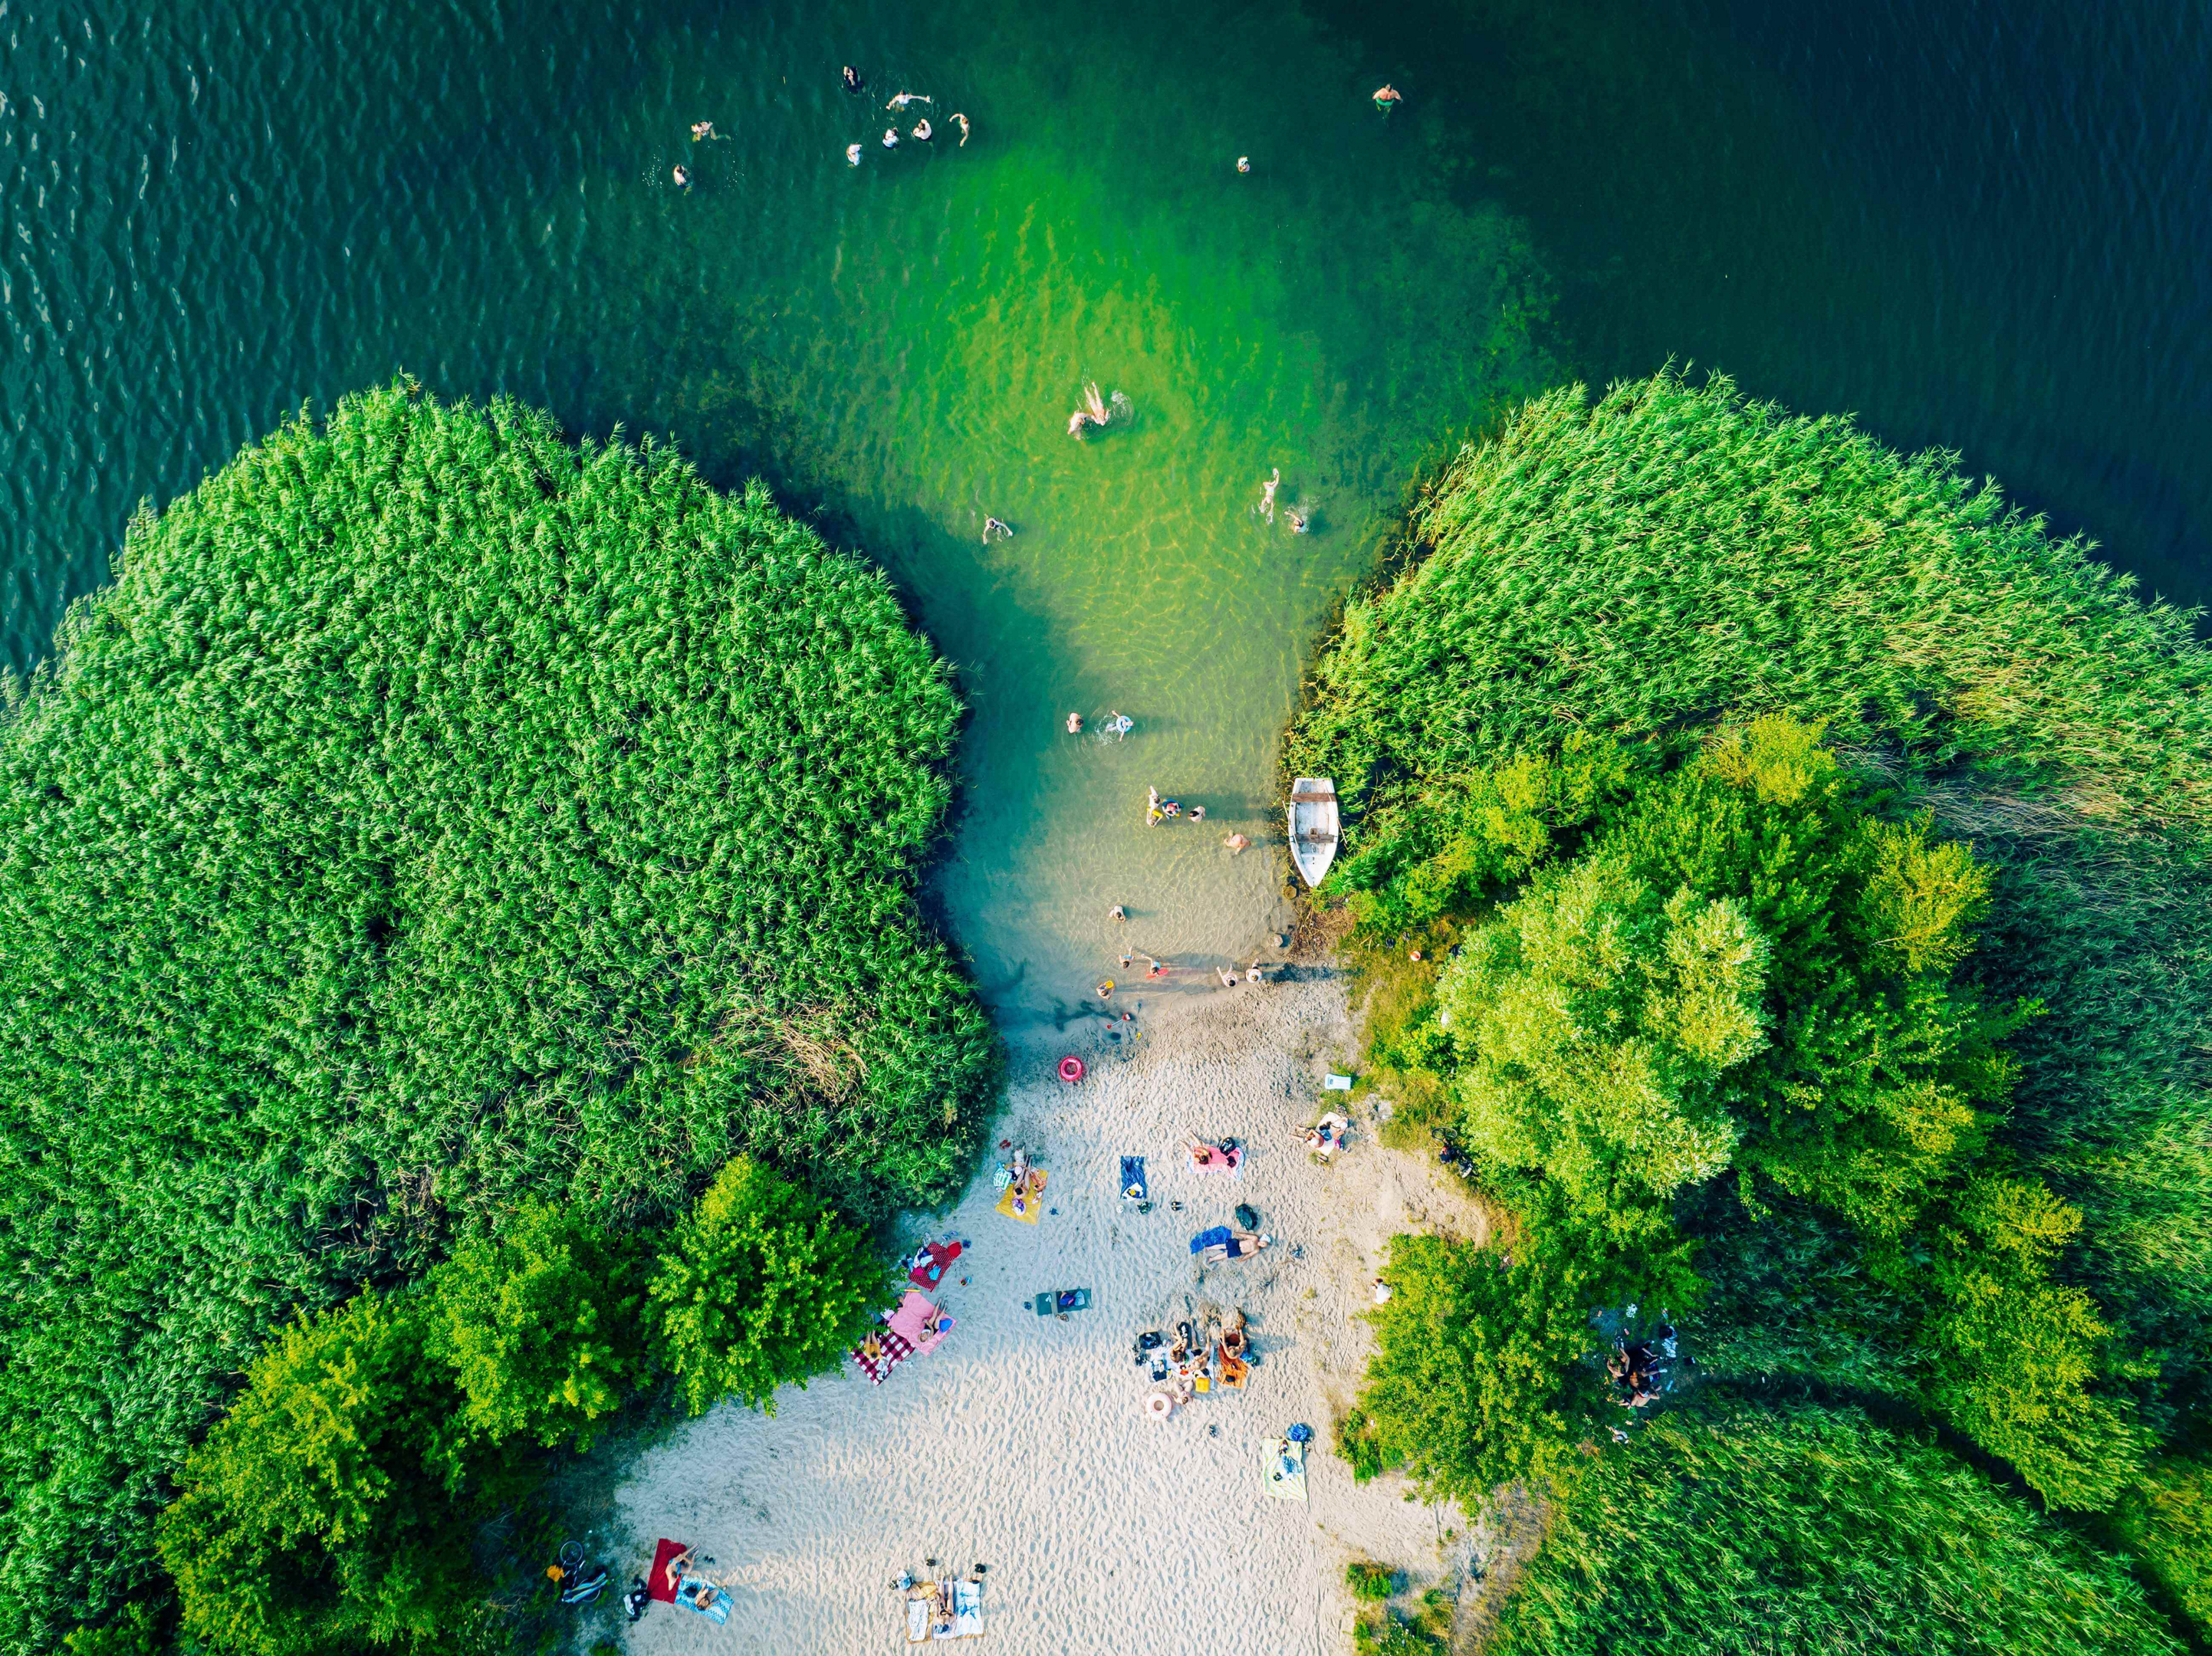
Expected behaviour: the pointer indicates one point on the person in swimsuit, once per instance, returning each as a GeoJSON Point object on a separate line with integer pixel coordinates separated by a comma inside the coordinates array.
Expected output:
{"type": "Point", "coordinates": [704, 129]}
{"type": "Point", "coordinates": [1075, 724]}
{"type": "Point", "coordinates": [890, 137]}
{"type": "Point", "coordinates": [906, 97]}
{"type": "Point", "coordinates": [682, 176]}
{"type": "Point", "coordinates": [852, 154]}
{"type": "Point", "coordinates": [1297, 520]}
{"type": "Point", "coordinates": [921, 132]}
{"type": "Point", "coordinates": [1268, 496]}
{"type": "Point", "coordinates": [961, 121]}
{"type": "Point", "coordinates": [1244, 163]}
{"type": "Point", "coordinates": [1386, 95]}
{"type": "Point", "coordinates": [1118, 913]}
{"type": "Point", "coordinates": [853, 83]}
{"type": "Point", "coordinates": [1236, 842]}
{"type": "Point", "coordinates": [997, 526]}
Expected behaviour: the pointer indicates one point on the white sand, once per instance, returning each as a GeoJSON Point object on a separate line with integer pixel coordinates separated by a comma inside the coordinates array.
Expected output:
{"type": "Point", "coordinates": [1020, 1443]}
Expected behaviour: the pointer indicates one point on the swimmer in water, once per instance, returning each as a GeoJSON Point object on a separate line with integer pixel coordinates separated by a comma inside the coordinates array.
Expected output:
{"type": "Point", "coordinates": [906, 97]}
{"type": "Point", "coordinates": [852, 154]}
{"type": "Point", "coordinates": [1198, 813]}
{"type": "Point", "coordinates": [1268, 496]}
{"type": "Point", "coordinates": [852, 81]}
{"type": "Point", "coordinates": [1075, 724]}
{"type": "Point", "coordinates": [682, 176]}
{"type": "Point", "coordinates": [1077, 421]}
{"type": "Point", "coordinates": [1386, 95]}
{"type": "Point", "coordinates": [1236, 842]}
{"type": "Point", "coordinates": [1297, 520]}
{"type": "Point", "coordinates": [1228, 977]}
{"type": "Point", "coordinates": [1244, 163]}
{"type": "Point", "coordinates": [704, 129]}
{"type": "Point", "coordinates": [961, 121]}
{"type": "Point", "coordinates": [921, 132]}
{"type": "Point", "coordinates": [1156, 969]}
{"type": "Point", "coordinates": [1152, 811]}
{"type": "Point", "coordinates": [1117, 912]}
{"type": "Point", "coordinates": [890, 137]}
{"type": "Point", "coordinates": [997, 526]}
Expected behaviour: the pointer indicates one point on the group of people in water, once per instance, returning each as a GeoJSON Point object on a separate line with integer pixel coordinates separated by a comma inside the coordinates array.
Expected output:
{"type": "Point", "coordinates": [920, 132]}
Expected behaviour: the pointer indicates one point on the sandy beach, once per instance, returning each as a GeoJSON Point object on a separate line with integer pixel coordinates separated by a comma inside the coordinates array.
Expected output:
{"type": "Point", "coordinates": [1021, 1444]}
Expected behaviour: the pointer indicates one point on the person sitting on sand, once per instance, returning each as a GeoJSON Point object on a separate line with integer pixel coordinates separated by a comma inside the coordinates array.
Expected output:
{"type": "Point", "coordinates": [961, 121]}
{"type": "Point", "coordinates": [906, 97]}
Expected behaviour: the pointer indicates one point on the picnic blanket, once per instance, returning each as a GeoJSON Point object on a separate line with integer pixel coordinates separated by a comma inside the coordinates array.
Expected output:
{"type": "Point", "coordinates": [927, 1268]}
{"type": "Point", "coordinates": [892, 1349]}
{"type": "Point", "coordinates": [967, 1613]}
{"type": "Point", "coordinates": [1286, 1470]}
{"type": "Point", "coordinates": [914, 1324]}
{"type": "Point", "coordinates": [1133, 1179]}
{"type": "Point", "coordinates": [1025, 1201]}
{"type": "Point", "coordinates": [716, 1610]}
{"type": "Point", "coordinates": [659, 1584]}
{"type": "Point", "coordinates": [1216, 1237]}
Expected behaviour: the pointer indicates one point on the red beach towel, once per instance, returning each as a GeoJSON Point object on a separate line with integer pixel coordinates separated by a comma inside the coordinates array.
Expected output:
{"type": "Point", "coordinates": [927, 1273]}
{"type": "Point", "coordinates": [657, 1585]}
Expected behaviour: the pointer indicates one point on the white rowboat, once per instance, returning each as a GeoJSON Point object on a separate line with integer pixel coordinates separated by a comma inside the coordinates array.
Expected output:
{"type": "Point", "coordinates": [1313, 826]}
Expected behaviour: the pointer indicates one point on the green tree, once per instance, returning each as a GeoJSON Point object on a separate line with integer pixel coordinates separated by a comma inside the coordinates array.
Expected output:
{"type": "Point", "coordinates": [326, 1510]}
{"type": "Point", "coordinates": [1594, 1016]}
{"type": "Point", "coordinates": [1485, 1368]}
{"type": "Point", "coordinates": [543, 1326]}
{"type": "Point", "coordinates": [762, 1286]}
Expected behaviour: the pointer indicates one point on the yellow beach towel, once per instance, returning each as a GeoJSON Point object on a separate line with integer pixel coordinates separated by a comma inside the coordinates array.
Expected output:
{"type": "Point", "coordinates": [1031, 1191]}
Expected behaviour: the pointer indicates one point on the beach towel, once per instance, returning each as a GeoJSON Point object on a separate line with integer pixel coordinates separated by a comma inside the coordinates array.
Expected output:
{"type": "Point", "coordinates": [891, 1349]}
{"type": "Point", "coordinates": [1287, 1470]}
{"type": "Point", "coordinates": [659, 1584]}
{"type": "Point", "coordinates": [1212, 1158]}
{"type": "Point", "coordinates": [1133, 1179]}
{"type": "Point", "coordinates": [911, 1324]}
{"type": "Point", "coordinates": [1067, 1299]}
{"type": "Point", "coordinates": [967, 1611]}
{"type": "Point", "coordinates": [928, 1266]}
{"type": "Point", "coordinates": [1025, 1201]}
{"type": "Point", "coordinates": [716, 1610]}
{"type": "Point", "coordinates": [1217, 1237]}
{"type": "Point", "coordinates": [917, 1616]}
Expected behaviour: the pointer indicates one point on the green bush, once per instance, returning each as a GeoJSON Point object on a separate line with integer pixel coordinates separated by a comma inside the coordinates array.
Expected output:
{"type": "Point", "coordinates": [433, 811]}
{"type": "Point", "coordinates": [543, 1326]}
{"type": "Point", "coordinates": [1809, 1530]}
{"type": "Point", "coordinates": [1371, 1582]}
{"type": "Point", "coordinates": [330, 1508]}
{"type": "Point", "coordinates": [762, 1286]}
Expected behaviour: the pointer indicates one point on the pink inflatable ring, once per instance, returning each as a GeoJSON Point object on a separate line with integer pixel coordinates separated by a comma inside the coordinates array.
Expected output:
{"type": "Point", "coordinates": [1071, 1069]}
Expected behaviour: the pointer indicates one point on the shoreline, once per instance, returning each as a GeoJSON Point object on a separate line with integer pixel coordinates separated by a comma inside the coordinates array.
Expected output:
{"type": "Point", "coordinates": [1020, 1442]}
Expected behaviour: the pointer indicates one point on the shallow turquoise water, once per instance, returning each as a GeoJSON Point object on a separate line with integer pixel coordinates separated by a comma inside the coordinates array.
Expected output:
{"type": "Point", "coordinates": [217, 212]}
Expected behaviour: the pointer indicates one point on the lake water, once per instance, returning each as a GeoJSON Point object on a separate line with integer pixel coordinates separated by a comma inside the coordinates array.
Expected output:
{"type": "Point", "coordinates": [1979, 226]}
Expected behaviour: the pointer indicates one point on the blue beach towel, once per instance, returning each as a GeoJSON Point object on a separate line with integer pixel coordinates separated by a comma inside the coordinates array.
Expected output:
{"type": "Point", "coordinates": [1217, 1237]}
{"type": "Point", "coordinates": [718, 1612]}
{"type": "Point", "coordinates": [1133, 1179]}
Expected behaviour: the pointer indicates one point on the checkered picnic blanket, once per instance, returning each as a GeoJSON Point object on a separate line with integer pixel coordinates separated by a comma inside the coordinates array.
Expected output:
{"type": "Point", "coordinates": [896, 1350]}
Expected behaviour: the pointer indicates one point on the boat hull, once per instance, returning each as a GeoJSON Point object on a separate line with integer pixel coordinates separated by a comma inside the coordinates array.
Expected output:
{"type": "Point", "coordinates": [1313, 826]}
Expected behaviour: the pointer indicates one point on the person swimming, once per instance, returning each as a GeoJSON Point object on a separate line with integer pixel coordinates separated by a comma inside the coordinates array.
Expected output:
{"type": "Point", "coordinates": [1118, 913]}
{"type": "Point", "coordinates": [997, 526]}
{"type": "Point", "coordinates": [1120, 724]}
{"type": "Point", "coordinates": [906, 97]}
{"type": "Point", "coordinates": [1152, 811]}
{"type": "Point", "coordinates": [890, 137]}
{"type": "Point", "coordinates": [704, 129]}
{"type": "Point", "coordinates": [1297, 520]}
{"type": "Point", "coordinates": [852, 81]}
{"type": "Point", "coordinates": [852, 154]}
{"type": "Point", "coordinates": [921, 132]}
{"type": "Point", "coordinates": [1268, 496]}
{"type": "Point", "coordinates": [1075, 724]}
{"type": "Point", "coordinates": [682, 176]}
{"type": "Point", "coordinates": [1386, 95]}
{"type": "Point", "coordinates": [961, 121]}
{"type": "Point", "coordinates": [1244, 163]}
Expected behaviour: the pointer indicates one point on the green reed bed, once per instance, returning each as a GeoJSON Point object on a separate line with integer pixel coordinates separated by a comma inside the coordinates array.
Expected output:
{"type": "Point", "coordinates": [434, 811]}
